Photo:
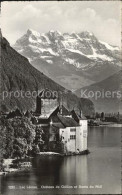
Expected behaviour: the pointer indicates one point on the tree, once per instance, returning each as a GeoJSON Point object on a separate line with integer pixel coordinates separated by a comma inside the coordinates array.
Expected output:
{"type": "Point", "coordinates": [97, 115]}
{"type": "Point", "coordinates": [23, 128]}
{"type": "Point", "coordinates": [7, 137]}
{"type": "Point", "coordinates": [102, 115]}
{"type": "Point", "coordinates": [35, 150]}
{"type": "Point", "coordinates": [20, 147]}
{"type": "Point", "coordinates": [39, 137]}
{"type": "Point", "coordinates": [2, 141]}
{"type": "Point", "coordinates": [19, 137]}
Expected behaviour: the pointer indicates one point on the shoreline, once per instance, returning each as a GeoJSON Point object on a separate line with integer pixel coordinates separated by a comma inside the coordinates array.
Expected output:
{"type": "Point", "coordinates": [9, 170]}
{"type": "Point", "coordinates": [61, 154]}
{"type": "Point", "coordinates": [106, 124]}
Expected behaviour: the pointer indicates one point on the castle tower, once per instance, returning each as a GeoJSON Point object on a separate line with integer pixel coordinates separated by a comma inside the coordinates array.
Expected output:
{"type": "Point", "coordinates": [46, 102]}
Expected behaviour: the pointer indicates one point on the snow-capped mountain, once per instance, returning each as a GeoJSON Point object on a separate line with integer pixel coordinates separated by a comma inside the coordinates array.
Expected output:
{"type": "Point", "coordinates": [17, 75]}
{"type": "Point", "coordinates": [73, 60]}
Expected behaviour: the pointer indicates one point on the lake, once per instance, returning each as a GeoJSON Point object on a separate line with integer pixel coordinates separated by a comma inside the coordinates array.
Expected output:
{"type": "Point", "coordinates": [96, 173]}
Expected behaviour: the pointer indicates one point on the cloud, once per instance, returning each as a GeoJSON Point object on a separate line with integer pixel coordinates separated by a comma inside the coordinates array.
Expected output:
{"type": "Point", "coordinates": [63, 16]}
{"type": "Point", "coordinates": [28, 16]}
{"type": "Point", "coordinates": [28, 12]}
{"type": "Point", "coordinates": [89, 13]}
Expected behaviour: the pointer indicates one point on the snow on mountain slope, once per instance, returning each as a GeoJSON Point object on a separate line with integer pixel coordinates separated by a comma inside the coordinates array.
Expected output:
{"type": "Point", "coordinates": [112, 48]}
{"type": "Point", "coordinates": [79, 54]}
{"type": "Point", "coordinates": [55, 43]}
{"type": "Point", "coordinates": [103, 57]}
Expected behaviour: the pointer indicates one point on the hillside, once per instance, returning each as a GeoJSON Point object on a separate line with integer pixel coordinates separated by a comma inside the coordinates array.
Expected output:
{"type": "Point", "coordinates": [106, 103]}
{"type": "Point", "coordinates": [18, 75]}
{"type": "Point", "coordinates": [73, 60]}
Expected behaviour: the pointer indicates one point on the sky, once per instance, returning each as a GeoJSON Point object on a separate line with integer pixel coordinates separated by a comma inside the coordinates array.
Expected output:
{"type": "Point", "coordinates": [103, 18]}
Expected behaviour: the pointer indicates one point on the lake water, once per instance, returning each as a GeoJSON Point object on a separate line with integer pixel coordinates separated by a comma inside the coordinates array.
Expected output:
{"type": "Point", "coordinates": [96, 173]}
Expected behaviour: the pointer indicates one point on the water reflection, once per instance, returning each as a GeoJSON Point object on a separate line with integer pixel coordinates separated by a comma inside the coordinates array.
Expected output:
{"type": "Point", "coordinates": [104, 136]}
{"type": "Point", "coordinates": [47, 166]}
{"type": "Point", "coordinates": [72, 170]}
{"type": "Point", "coordinates": [101, 167]}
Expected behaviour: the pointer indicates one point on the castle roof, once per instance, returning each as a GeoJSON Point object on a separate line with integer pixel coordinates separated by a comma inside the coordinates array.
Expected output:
{"type": "Point", "coordinates": [28, 114]}
{"type": "Point", "coordinates": [77, 117]}
{"type": "Point", "coordinates": [58, 125]}
{"type": "Point", "coordinates": [62, 110]}
{"type": "Point", "coordinates": [68, 121]}
{"type": "Point", "coordinates": [16, 113]}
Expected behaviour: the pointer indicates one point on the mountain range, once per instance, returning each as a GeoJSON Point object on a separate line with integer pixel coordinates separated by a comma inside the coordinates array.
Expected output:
{"type": "Point", "coordinates": [18, 75]}
{"type": "Point", "coordinates": [106, 95]}
{"type": "Point", "coordinates": [73, 60]}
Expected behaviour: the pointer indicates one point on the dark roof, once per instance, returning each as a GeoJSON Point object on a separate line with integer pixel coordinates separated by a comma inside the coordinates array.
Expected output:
{"type": "Point", "coordinates": [54, 119]}
{"type": "Point", "coordinates": [55, 112]}
{"type": "Point", "coordinates": [28, 114]}
{"type": "Point", "coordinates": [58, 125]}
{"type": "Point", "coordinates": [68, 121]}
{"type": "Point", "coordinates": [43, 120]}
{"type": "Point", "coordinates": [14, 114]}
{"type": "Point", "coordinates": [77, 117]}
{"type": "Point", "coordinates": [62, 110]}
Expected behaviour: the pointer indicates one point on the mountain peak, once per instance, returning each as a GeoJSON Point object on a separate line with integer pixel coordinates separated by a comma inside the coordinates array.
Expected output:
{"type": "Point", "coordinates": [87, 34]}
{"type": "Point", "coordinates": [33, 32]}
{"type": "Point", "coordinates": [74, 34]}
{"type": "Point", "coordinates": [54, 32]}
{"type": "Point", "coordinates": [51, 31]}
{"type": "Point", "coordinates": [80, 50]}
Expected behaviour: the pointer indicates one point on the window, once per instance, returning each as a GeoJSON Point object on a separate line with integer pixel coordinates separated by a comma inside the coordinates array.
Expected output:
{"type": "Point", "coordinates": [72, 136]}
{"type": "Point", "coordinates": [73, 129]}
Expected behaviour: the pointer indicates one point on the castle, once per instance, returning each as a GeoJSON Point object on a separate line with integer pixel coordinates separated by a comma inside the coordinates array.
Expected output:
{"type": "Point", "coordinates": [63, 126]}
